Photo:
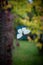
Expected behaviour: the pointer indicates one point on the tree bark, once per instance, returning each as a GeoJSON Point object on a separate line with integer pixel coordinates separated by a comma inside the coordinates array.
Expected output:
{"type": "Point", "coordinates": [6, 37]}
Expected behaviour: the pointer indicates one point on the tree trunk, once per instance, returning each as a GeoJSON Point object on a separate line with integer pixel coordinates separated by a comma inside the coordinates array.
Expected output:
{"type": "Point", "coordinates": [6, 37]}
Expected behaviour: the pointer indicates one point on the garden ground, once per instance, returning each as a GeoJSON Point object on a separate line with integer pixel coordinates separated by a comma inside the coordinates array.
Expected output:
{"type": "Point", "coordinates": [26, 54]}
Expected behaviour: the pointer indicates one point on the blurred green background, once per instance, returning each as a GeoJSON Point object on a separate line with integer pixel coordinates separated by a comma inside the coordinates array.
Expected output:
{"type": "Point", "coordinates": [28, 13]}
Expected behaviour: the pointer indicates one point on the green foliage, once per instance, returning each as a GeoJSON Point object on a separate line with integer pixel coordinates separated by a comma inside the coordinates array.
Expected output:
{"type": "Point", "coordinates": [21, 7]}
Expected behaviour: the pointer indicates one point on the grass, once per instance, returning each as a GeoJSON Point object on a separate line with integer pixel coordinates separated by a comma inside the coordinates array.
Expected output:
{"type": "Point", "coordinates": [26, 54]}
